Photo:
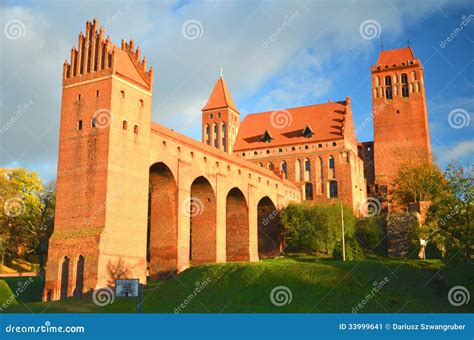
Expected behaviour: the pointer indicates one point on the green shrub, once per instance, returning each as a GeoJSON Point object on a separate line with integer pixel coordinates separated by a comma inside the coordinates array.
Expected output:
{"type": "Point", "coordinates": [353, 250]}
{"type": "Point", "coordinates": [315, 227]}
{"type": "Point", "coordinates": [372, 235]}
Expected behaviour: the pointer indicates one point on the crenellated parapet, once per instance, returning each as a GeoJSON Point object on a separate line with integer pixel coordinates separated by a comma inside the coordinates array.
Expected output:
{"type": "Point", "coordinates": [96, 56]}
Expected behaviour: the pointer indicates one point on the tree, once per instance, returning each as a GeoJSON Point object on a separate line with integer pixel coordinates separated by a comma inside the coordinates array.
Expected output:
{"type": "Point", "coordinates": [418, 181]}
{"type": "Point", "coordinates": [449, 219]}
{"type": "Point", "coordinates": [26, 214]}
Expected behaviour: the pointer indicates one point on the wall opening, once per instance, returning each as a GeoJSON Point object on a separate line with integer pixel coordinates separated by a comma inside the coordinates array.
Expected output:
{"type": "Point", "coordinates": [79, 277]}
{"type": "Point", "coordinates": [237, 227]}
{"type": "Point", "coordinates": [64, 278]}
{"type": "Point", "coordinates": [270, 239]}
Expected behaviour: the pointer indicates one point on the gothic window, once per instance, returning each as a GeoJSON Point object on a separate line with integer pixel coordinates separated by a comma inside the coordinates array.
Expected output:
{"type": "Point", "coordinates": [224, 136]}
{"type": "Point", "coordinates": [377, 81]}
{"type": "Point", "coordinates": [135, 129]}
{"type": "Point", "coordinates": [404, 85]}
{"type": "Point", "coordinates": [307, 170]}
{"type": "Point", "coordinates": [94, 122]}
{"type": "Point", "coordinates": [216, 140]}
{"type": "Point", "coordinates": [332, 167]}
{"type": "Point", "coordinates": [333, 189]}
{"type": "Point", "coordinates": [298, 170]}
{"type": "Point", "coordinates": [79, 125]}
{"type": "Point", "coordinates": [417, 87]}
{"type": "Point", "coordinates": [124, 125]}
{"type": "Point", "coordinates": [388, 88]}
{"type": "Point", "coordinates": [413, 75]}
{"type": "Point", "coordinates": [208, 134]}
{"type": "Point", "coordinates": [284, 168]}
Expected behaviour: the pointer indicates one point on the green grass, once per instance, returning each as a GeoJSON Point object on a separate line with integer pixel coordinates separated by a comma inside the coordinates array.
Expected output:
{"type": "Point", "coordinates": [319, 286]}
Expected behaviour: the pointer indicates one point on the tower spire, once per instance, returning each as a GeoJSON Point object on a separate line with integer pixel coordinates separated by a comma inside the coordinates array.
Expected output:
{"type": "Point", "coordinates": [221, 76]}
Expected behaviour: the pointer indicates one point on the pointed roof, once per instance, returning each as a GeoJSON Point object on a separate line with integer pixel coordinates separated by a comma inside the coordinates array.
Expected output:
{"type": "Point", "coordinates": [220, 97]}
{"type": "Point", "coordinates": [395, 56]}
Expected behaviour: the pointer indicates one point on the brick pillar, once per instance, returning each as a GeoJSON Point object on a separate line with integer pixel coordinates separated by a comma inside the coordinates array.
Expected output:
{"type": "Point", "coordinates": [221, 194]}
{"type": "Point", "coordinates": [253, 223]}
{"type": "Point", "coordinates": [183, 226]}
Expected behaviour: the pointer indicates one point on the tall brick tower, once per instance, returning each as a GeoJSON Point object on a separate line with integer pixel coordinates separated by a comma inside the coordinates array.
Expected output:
{"type": "Point", "coordinates": [102, 183]}
{"type": "Point", "coordinates": [220, 118]}
{"type": "Point", "coordinates": [400, 115]}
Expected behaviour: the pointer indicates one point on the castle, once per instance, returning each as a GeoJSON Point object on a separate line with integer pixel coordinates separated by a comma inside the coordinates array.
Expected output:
{"type": "Point", "coordinates": [135, 199]}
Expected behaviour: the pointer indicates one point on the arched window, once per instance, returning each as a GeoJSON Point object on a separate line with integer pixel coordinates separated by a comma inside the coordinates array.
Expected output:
{"type": "Point", "coordinates": [307, 169]}
{"type": "Point", "coordinates": [377, 81]}
{"type": "Point", "coordinates": [333, 189]}
{"type": "Point", "coordinates": [64, 278]}
{"type": "Point", "coordinates": [284, 168]}
{"type": "Point", "coordinates": [388, 87]}
{"type": "Point", "coordinates": [270, 166]}
{"type": "Point", "coordinates": [404, 79]}
{"type": "Point", "coordinates": [395, 79]}
{"type": "Point", "coordinates": [332, 167]}
{"type": "Point", "coordinates": [413, 75]}
{"type": "Point", "coordinates": [412, 88]}
{"type": "Point", "coordinates": [260, 164]}
{"type": "Point", "coordinates": [224, 136]}
{"type": "Point", "coordinates": [298, 170]}
{"type": "Point", "coordinates": [207, 133]}
{"type": "Point", "coordinates": [376, 94]}
{"type": "Point", "coordinates": [79, 277]}
{"type": "Point", "coordinates": [216, 135]}
{"type": "Point", "coordinates": [417, 87]}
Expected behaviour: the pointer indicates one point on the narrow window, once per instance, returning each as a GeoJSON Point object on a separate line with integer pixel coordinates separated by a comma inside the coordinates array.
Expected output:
{"type": "Point", "coordinates": [97, 93]}
{"type": "Point", "coordinates": [122, 94]}
{"type": "Point", "coordinates": [388, 87]}
{"type": "Point", "coordinates": [333, 189]}
{"type": "Point", "coordinates": [79, 125]}
{"type": "Point", "coordinates": [319, 176]}
{"type": "Point", "coordinates": [135, 129]}
{"type": "Point", "coordinates": [79, 97]}
{"type": "Point", "coordinates": [298, 170]}
{"type": "Point", "coordinates": [211, 116]}
{"type": "Point", "coordinates": [141, 102]}
{"type": "Point", "coordinates": [224, 136]}
{"type": "Point", "coordinates": [284, 168]}
{"type": "Point", "coordinates": [404, 80]}
{"type": "Point", "coordinates": [270, 166]}
{"type": "Point", "coordinates": [208, 134]}
{"type": "Point", "coordinates": [218, 115]}
{"type": "Point", "coordinates": [216, 137]}
{"type": "Point", "coordinates": [94, 122]}
{"type": "Point", "coordinates": [307, 169]}
{"type": "Point", "coordinates": [332, 167]}
{"type": "Point", "coordinates": [413, 75]}
{"type": "Point", "coordinates": [308, 191]}
{"type": "Point", "coordinates": [124, 125]}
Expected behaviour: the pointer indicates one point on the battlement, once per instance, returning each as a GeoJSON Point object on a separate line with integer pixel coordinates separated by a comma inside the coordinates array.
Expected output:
{"type": "Point", "coordinates": [96, 56]}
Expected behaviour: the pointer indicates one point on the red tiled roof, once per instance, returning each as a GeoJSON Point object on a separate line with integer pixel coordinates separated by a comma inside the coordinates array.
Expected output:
{"type": "Point", "coordinates": [397, 56]}
{"type": "Point", "coordinates": [287, 126]}
{"type": "Point", "coordinates": [220, 97]}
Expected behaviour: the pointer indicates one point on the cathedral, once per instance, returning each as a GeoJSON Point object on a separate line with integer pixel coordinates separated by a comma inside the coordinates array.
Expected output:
{"type": "Point", "coordinates": [136, 199]}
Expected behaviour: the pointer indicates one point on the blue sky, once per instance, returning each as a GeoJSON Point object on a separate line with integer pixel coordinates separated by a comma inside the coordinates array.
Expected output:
{"type": "Point", "coordinates": [317, 53]}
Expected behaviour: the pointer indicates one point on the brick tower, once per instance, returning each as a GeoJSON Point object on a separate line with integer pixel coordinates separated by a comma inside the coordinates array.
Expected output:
{"type": "Point", "coordinates": [400, 115]}
{"type": "Point", "coordinates": [220, 118]}
{"type": "Point", "coordinates": [102, 183]}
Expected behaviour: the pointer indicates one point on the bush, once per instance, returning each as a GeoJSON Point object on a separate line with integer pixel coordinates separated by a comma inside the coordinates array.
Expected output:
{"type": "Point", "coordinates": [315, 227]}
{"type": "Point", "coordinates": [371, 233]}
{"type": "Point", "coordinates": [353, 250]}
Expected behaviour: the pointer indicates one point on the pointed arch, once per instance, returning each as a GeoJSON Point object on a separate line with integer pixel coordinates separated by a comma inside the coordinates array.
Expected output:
{"type": "Point", "coordinates": [237, 226]}
{"type": "Point", "coordinates": [64, 278]}
{"type": "Point", "coordinates": [79, 277]}
{"type": "Point", "coordinates": [270, 239]}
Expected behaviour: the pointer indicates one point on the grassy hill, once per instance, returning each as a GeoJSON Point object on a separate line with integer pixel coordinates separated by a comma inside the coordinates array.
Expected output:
{"type": "Point", "coordinates": [318, 286]}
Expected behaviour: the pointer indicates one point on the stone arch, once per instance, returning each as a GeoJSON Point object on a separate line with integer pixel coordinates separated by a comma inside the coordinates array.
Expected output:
{"type": "Point", "coordinates": [237, 226]}
{"type": "Point", "coordinates": [79, 277]}
{"type": "Point", "coordinates": [202, 222]}
{"type": "Point", "coordinates": [64, 287]}
{"type": "Point", "coordinates": [162, 248]}
{"type": "Point", "coordinates": [270, 239]}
